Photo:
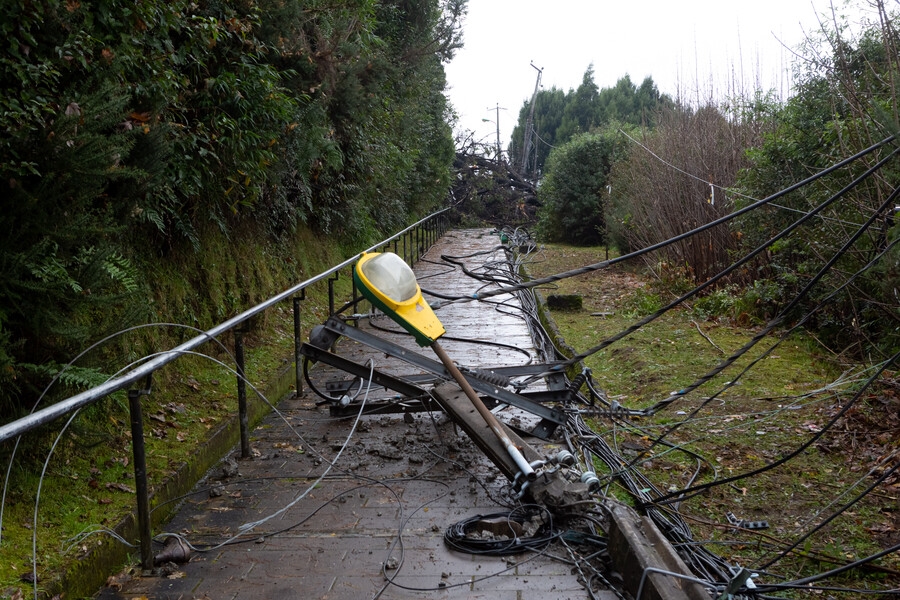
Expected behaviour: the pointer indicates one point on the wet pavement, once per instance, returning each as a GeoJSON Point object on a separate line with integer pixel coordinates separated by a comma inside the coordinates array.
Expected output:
{"type": "Point", "coordinates": [287, 524]}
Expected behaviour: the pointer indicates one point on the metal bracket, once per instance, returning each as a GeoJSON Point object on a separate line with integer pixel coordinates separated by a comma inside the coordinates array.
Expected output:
{"type": "Point", "coordinates": [378, 377]}
{"type": "Point", "coordinates": [551, 417]}
{"type": "Point", "coordinates": [741, 579]}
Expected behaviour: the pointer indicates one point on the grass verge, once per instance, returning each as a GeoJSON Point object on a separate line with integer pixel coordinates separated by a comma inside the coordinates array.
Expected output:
{"type": "Point", "coordinates": [781, 395]}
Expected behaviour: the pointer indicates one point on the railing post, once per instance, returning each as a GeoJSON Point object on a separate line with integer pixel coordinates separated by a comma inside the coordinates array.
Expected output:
{"type": "Point", "coordinates": [331, 281]}
{"type": "Point", "coordinates": [142, 490]}
{"type": "Point", "coordinates": [298, 365]}
{"type": "Point", "coordinates": [242, 393]}
{"type": "Point", "coordinates": [418, 243]}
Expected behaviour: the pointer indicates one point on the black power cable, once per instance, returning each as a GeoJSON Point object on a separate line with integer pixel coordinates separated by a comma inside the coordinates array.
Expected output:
{"type": "Point", "coordinates": [744, 260]}
{"type": "Point", "coordinates": [778, 319]}
{"type": "Point", "coordinates": [693, 491]}
{"type": "Point", "coordinates": [649, 249]}
{"type": "Point", "coordinates": [881, 478]}
{"type": "Point", "coordinates": [461, 536]}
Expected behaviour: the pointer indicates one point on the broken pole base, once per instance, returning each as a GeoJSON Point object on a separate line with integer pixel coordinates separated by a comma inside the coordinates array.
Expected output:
{"type": "Point", "coordinates": [460, 409]}
{"type": "Point", "coordinates": [565, 302]}
{"type": "Point", "coordinates": [635, 545]}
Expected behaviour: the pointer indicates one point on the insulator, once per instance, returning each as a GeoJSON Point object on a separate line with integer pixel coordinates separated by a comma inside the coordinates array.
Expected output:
{"type": "Point", "coordinates": [576, 383]}
{"type": "Point", "coordinates": [564, 457]}
{"type": "Point", "coordinates": [489, 377]}
{"type": "Point", "coordinates": [591, 480]}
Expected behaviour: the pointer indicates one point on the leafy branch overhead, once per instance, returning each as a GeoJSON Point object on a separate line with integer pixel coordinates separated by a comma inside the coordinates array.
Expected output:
{"type": "Point", "coordinates": [133, 131]}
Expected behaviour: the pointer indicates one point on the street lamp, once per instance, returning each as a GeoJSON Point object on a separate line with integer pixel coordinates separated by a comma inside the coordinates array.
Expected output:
{"type": "Point", "coordinates": [390, 284]}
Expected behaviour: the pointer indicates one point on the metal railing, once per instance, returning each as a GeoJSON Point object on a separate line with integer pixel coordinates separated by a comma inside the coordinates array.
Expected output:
{"type": "Point", "coordinates": [409, 243]}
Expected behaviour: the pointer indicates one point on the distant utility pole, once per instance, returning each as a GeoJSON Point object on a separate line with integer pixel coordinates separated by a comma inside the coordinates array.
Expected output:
{"type": "Point", "coordinates": [497, 123]}
{"type": "Point", "coordinates": [529, 124]}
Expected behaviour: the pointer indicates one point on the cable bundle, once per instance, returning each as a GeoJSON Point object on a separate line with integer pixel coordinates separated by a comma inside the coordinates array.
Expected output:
{"type": "Point", "coordinates": [459, 535]}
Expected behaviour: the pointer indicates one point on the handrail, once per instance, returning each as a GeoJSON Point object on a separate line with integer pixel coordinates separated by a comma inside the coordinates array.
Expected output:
{"type": "Point", "coordinates": [59, 409]}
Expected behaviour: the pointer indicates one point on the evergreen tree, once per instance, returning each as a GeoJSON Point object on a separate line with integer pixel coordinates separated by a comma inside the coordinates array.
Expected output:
{"type": "Point", "coordinates": [573, 193]}
{"type": "Point", "coordinates": [561, 115]}
{"type": "Point", "coordinates": [582, 111]}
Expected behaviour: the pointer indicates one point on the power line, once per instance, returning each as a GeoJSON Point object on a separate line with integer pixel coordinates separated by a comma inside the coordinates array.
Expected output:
{"type": "Point", "coordinates": [686, 235]}
{"type": "Point", "coordinates": [713, 187]}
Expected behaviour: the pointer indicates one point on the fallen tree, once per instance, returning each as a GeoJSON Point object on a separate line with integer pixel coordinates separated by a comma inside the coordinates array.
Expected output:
{"type": "Point", "coordinates": [486, 189]}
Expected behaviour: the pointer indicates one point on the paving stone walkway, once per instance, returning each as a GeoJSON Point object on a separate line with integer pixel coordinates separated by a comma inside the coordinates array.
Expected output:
{"type": "Point", "coordinates": [373, 527]}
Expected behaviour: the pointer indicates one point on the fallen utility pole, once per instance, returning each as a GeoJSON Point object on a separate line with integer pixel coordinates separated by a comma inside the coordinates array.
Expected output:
{"type": "Point", "coordinates": [556, 482]}
{"type": "Point", "coordinates": [524, 467]}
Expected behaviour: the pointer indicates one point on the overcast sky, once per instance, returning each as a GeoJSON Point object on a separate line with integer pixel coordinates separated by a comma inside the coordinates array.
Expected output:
{"type": "Point", "coordinates": [679, 43]}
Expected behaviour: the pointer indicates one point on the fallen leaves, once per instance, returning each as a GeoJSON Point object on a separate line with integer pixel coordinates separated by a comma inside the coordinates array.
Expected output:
{"type": "Point", "coordinates": [289, 447]}
{"type": "Point", "coordinates": [121, 487]}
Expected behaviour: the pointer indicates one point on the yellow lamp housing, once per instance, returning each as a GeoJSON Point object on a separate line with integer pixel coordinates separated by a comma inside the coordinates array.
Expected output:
{"type": "Point", "coordinates": [390, 285]}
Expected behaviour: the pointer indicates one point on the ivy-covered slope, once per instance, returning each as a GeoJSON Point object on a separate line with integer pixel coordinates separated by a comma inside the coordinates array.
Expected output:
{"type": "Point", "coordinates": [135, 132]}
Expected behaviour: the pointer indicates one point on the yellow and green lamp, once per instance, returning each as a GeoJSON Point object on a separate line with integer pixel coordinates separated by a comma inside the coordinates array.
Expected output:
{"type": "Point", "coordinates": [390, 285]}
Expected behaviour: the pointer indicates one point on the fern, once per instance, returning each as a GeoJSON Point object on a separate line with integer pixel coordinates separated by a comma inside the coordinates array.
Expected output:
{"type": "Point", "coordinates": [121, 271]}
{"type": "Point", "coordinates": [74, 378]}
{"type": "Point", "coordinates": [46, 266]}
